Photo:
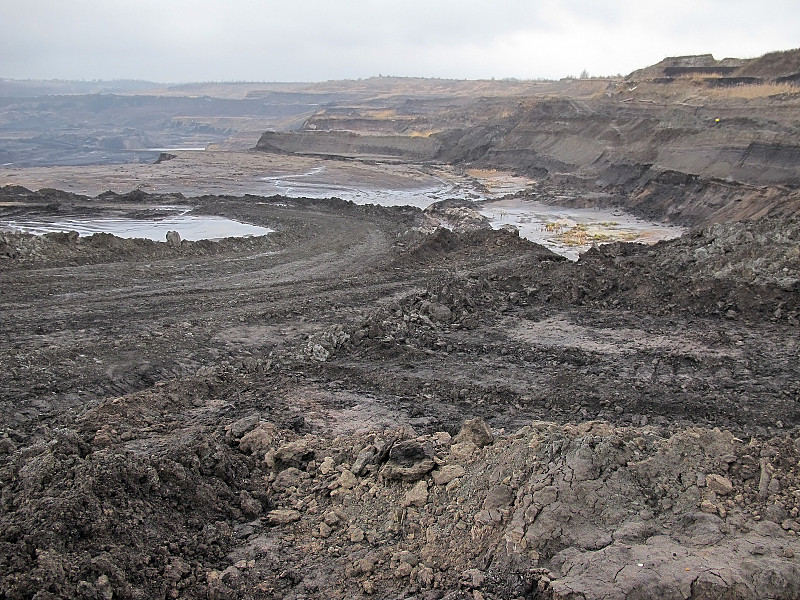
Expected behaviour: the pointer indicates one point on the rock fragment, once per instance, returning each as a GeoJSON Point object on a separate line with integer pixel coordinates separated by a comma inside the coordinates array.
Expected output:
{"type": "Point", "coordinates": [356, 534]}
{"type": "Point", "coordinates": [325, 530]}
{"type": "Point", "coordinates": [250, 506]}
{"type": "Point", "coordinates": [409, 460]}
{"type": "Point", "coordinates": [440, 312]}
{"type": "Point", "coordinates": [259, 440]}
{"type": "Point", "coordinates": [7, 446]}
{"type": "Point", "coordinates": [319, 353]}
{"type": "Point", "coordinates": [447, 473]}
{"type": "Point", "coordinates": [463, 450]}
{"type": "Point", "coordinates": [719, 484]}
{"type": "Point", "coordinates": [499, 496]}
{"type": "Point", "coordinates": [425, 577]}
{"type": "Point", "coordinates": [294, 454]}
{"type": "Point", "coordinates": [104, 589]}
{"type": "Point", "coordinates": [365, 457]}
{"type": "Point", "coordinates": [331, 518]}
{"type": "Point", "coordinates": [475, 431]}
{"type": "Point", "coordinates": [173, 239]}
{"type": "Point", "coordinates": [327, 465]}
{"type": "Point", "coordinates": [237, 429]}
{"type": "Point", "coordinates": [282, 516]}
{"type": "Point", "coordinates": [418, 495]}
{"type": "Point", "coordinates": [347, 480]}
{"type": "Point", "coordinates": [287, 478]}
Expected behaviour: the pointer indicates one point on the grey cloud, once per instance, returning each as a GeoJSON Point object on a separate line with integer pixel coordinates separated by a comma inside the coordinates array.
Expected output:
{"type": "Point", "coordinates": [182, 40]}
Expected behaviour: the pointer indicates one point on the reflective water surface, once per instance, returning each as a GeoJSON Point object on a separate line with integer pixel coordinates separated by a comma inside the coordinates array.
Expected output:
{"type": "Point", "coordinates": [190, 227]}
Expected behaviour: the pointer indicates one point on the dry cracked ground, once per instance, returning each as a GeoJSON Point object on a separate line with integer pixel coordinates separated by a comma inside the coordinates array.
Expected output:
{"type": "Point", "coordinates": [362, 406]}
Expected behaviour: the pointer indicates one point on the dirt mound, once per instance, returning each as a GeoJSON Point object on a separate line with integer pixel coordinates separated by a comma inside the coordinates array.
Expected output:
{"type": "Point", "coordinates": [773, 65]}
{"type": "Point", "coordinates": [739, 270]}
{"type": "Point", "coordinates": [460, 215]}
{"type": "Point", "coordinates": [444, 245]}
{"type": "Point", "coordinates": [759, 253]}
{"type": "Point", "coordinates": [241, 508]}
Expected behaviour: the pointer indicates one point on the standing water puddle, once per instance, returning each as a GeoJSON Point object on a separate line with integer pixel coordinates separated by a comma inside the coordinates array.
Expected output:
{"type": "Point", "coordinates": [565, 231]}
{"type": "Point", "coordinates": [503, 198]}
{"type": "Point", "coordinates": [572, 231]}
{"type": "Point", "coordinates": [318, 182]}
{"type": "Point", "coordinates": [190, 227]}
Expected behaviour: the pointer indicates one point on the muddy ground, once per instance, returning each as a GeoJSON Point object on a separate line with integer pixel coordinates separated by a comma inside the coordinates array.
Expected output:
{"type": "Point", "coordinates": [358, 405]}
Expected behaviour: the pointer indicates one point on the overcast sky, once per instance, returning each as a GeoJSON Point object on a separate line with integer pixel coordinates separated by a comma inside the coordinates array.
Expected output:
{"type": "Point", "coordinates": [316, 40]}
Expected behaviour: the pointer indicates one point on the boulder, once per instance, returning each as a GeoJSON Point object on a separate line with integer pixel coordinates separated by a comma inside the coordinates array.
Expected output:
{"type": "Point", "coordinates": [258, 441]}
{"type": "Point", "coordinates": [291, 477]}
{"type": "Point", "coordinates": [250, 506]}
{"type": "Point", "coordinates": [462, 450]}
{"type": "Point", "coordinates": [356, 534]}
{"type": "Point", "coordinates": [440, 312]}
{"type": "Point", "coordinates": [237, 429]}
{"type": "Point", "coordinates": [174, 239]}
{"type": "Point", "coordinates": [499, 496]}
{"type": "Point", "coordinates": [347, 480]}
{"type": "Point", "coordinates": [366, 457]}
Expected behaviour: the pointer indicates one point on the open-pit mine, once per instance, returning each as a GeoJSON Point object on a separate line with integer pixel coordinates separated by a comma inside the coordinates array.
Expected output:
{"type": "Point", "coordinates": [529, 340]}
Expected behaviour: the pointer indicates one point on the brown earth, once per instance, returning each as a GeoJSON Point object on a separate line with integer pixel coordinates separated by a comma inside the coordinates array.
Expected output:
{"type": "Point", "coordinates": [358, 406]}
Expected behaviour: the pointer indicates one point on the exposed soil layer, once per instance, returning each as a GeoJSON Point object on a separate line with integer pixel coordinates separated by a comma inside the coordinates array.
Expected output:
{"type": "Point", "coordinates": [688, 162]}
{"type": "Point", "coordinates": [355, 406]}
{"type": "Point", "coordinates": [690, 140]}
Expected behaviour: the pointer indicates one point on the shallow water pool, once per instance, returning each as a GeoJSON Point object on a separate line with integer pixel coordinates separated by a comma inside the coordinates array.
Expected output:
{"type": "Point", "coordinates": [572, 231]}
{"type": "Point", "coordinates": [190, 227]}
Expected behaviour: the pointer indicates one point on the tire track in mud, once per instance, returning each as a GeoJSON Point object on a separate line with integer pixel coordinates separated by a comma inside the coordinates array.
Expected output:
{"type": "Point", "coordinates": [118, 327]}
